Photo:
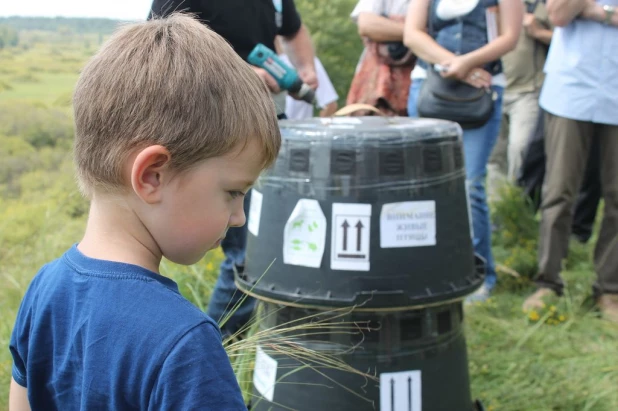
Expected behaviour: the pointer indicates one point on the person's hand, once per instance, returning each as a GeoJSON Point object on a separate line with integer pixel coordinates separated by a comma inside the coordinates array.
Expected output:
{"type": "Point", "coordinates": [590, 10]}
{"type": "Point", "coordinates": [270, 81]}
{"type": "Point", "coordinates": [531, 25]}
{"type": "Point", "coordinates": [309, 77]}
{"type": "Point", "coordinates": [457, 67]}
{"type": "Point", "coordinates": [478, 78]}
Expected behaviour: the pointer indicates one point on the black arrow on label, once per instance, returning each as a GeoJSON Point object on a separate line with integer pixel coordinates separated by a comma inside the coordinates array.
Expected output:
{"type": "Point", "coordinates": [345, 226]}
{"type": "Point", "coordinates": [392, 394]}
{"type": "Point", "coordinates": [359, 226]}
{"type": "Point", "coordinates": [409, 393]}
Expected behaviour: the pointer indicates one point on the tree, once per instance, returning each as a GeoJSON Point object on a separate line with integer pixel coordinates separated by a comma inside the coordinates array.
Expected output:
{"type": "Point", "coordinates": [335, 37]}
{"type": "Point", "coordinates": [8, 36]}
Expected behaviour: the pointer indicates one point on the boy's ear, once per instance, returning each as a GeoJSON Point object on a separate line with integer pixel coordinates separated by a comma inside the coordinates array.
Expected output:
{"type": "Point", "coordinates": [147, 172]}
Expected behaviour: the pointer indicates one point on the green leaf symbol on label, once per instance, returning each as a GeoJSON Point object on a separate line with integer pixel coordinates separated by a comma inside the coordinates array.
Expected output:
{"type": "Point", "coordinates": [297, 248]}
{"type": "Point", "coordinates": [312, 246]}
{"type": "Point", "coordinates": [296, 241]}
{"type": "Point", "coordinates": [315, 224]}
{"type": "Point", "coordinates": [310, 228]}
{"type": "Point", "coordinates": [298, 224]}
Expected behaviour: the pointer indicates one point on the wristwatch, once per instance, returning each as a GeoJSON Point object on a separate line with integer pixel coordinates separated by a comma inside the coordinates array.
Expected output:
{"type": "Point", "coordinates": [609, 13]}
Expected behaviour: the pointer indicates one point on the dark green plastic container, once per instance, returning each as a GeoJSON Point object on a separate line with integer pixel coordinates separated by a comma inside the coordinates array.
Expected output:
{"type": "Point", "coordinates": [417, 360]}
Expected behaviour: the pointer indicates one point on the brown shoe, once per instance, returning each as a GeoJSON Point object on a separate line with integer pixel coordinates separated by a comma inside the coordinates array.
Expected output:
{"type": "Point", "coordinates": [608, 304]}
{"type": "Point", "coordinates": [535, 301]}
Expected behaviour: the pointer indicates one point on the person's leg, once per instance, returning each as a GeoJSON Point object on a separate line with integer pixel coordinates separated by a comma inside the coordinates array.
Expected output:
{"type": "Point", "coordinates": [567, 144]}
{"type": "Point", "coordinates": [523, 115]}
{"type": "Point", "coordinates": [478, 144]}
{"type": "Point", "coordinates": [497, 166]}
{"type": "Point", "coordinates": [226, 305]}
{"type": "Point", "coordinates": [532, 170]}
{"type": "Point", "coordinates": [606, 251]}
{"type": "Point", "coordinates": [415, 88]}
{"type": "Point", "coordinates": [589, 196]}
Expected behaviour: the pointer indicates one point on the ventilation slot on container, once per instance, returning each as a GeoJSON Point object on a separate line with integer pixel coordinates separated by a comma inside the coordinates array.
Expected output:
{"type": "Point", "coordinates": [411, 328]}
{"type": "Point", "coordinates": [458, 157]}
{"type": "Point", "coordinates": [343, 162]}
{"type": "Point", "coordinates": [444, 322]}
{"type": "Point", "coordinates": [391, 163]}
{"type": "Point", "coordinates": [432, 159]}
{"type": "Point", "coordinates": [299, 160]}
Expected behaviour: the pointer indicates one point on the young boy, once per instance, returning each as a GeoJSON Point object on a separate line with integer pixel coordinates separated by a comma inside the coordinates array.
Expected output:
{"type": "Point", "coordinates": [172, 129]}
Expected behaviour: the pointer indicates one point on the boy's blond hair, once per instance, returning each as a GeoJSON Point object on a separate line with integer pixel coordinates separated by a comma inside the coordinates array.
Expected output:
{"type": "Point", "coordinates": [172, 82]}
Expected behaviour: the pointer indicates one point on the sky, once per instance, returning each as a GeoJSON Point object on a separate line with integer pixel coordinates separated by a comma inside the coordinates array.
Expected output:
{"type": "Point", "coordinates": [114, 9]}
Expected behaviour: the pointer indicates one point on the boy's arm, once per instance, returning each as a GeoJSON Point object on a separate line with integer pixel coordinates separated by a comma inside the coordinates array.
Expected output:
{"type": "Point", "coordinates": [197, 374]}
{"type": "Point", "coordinates": [18, 397]}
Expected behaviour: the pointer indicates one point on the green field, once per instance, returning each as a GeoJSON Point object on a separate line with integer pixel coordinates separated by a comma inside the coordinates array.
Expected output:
{"type": "Point", "coordinates": [564, 358]}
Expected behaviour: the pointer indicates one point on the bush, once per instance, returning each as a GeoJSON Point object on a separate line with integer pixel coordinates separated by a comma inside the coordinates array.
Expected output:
{"type": "Point", "coordinates": [37, 125]}
{"type": "Point", "coordinates": [335, 37]}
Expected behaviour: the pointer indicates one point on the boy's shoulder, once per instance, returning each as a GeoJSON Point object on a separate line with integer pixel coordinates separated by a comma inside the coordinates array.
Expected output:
{"type": "Point", "coordinates": [126, 328]}
{"type": "Point", "coordinates": [115, 286]}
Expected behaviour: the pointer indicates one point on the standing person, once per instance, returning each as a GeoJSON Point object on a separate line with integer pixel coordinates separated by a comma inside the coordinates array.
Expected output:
{"type": "Point", "coordinates": [533, 173]}
{"type": "Point", "coordinates": [523, 68]}
{"type": "Point", "coordinates": [165, 171]}
{"type": "Point", "coordinates": [325, 95]}
{"type": "Point", "coordinates": [382, 77]}
{"type": "Point", "coordinates": [456, 35]}
{"type": "Point", "coordinates": [244, 24]}
{"type": "Point", "coordinates": [580, 96]}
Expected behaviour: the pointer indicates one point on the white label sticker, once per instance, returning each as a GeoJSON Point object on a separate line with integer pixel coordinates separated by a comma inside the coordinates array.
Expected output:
{"type": "Point", "coordinates": [304, 235]}
{"type": "Point", "coordinates": [265, 374]}
{"type": "Point", "coordinates": [469, 210]}
{"type": "Point", "coordinates": [351, 225]}
{"type": "Point", "coordinates": [400, 391]}
{"type": "Point", "coordinates": [255, 212]}
{"type": "Point", "coordinates": [408, 224]}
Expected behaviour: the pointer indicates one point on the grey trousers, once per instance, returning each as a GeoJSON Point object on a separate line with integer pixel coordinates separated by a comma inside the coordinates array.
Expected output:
{"type": "Point", "coordinates": [567, 146]}
{"type": "Point", "coordinates": [520, 112]}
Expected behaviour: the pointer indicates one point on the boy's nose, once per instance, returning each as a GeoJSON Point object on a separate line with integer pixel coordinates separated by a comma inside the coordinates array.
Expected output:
{"type": "Point", "coordinates": [238, 219]}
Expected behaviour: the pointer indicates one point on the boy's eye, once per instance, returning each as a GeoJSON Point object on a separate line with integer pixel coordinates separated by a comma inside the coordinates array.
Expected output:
{"type": "Point", "coordinates": [236, 194]}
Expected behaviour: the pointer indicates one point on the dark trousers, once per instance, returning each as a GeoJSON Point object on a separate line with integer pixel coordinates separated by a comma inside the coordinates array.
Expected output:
{"type": "Point", "coordinates": [533, 172]}
{"type": "Point", "coordinates": [568, 145]}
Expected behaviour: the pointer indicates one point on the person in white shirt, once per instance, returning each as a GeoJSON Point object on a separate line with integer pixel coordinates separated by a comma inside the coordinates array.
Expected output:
{"type": "Point", "coordinates": [325, 95]}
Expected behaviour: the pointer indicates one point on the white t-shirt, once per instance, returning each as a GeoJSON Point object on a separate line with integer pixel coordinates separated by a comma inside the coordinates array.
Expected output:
{"type": "Point", "coordinates": [390, 7]}
{"type": "Point", "coordinates": [324, 95]}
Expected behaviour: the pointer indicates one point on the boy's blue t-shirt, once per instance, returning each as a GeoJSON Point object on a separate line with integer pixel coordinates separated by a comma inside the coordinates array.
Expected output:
{"type": "Point", "coordinates": [102, 335]}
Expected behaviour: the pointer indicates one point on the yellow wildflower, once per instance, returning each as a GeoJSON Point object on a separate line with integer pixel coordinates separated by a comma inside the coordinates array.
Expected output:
{"type": "Point", "coordinates": [533, 316]}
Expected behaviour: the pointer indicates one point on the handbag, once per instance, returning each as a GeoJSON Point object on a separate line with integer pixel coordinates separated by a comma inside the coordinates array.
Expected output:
{"type": "Point", "coordinates": [452, 99]}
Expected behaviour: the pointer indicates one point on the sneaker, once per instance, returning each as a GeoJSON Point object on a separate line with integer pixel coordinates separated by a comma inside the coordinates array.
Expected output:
{"type": "Point", "coordinates": [608, 304]}
{"type": "Point", "coordinates": [479, 296]}
{"type": "Point", "coordinates": [535, 301]}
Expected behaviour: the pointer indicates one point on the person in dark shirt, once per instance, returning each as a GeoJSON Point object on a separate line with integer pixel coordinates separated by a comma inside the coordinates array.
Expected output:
{"type": "Point", "coordinates": [166, 172]}
{"type": "Point", "coordinates": [245, 24]}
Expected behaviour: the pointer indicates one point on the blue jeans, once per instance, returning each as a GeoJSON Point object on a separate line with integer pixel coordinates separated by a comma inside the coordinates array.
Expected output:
{"type": "Point", "coordinates": [478, 144]}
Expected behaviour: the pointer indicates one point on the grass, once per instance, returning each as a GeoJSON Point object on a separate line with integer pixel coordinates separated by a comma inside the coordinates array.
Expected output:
{"type": "Point", "coordinates": [47, 88]}
{"type": "Point", "coordinates": [561, 358]}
